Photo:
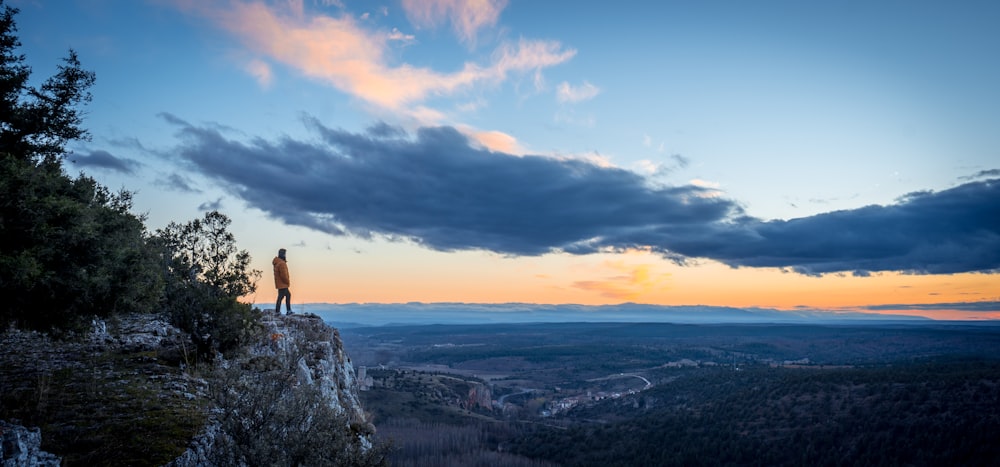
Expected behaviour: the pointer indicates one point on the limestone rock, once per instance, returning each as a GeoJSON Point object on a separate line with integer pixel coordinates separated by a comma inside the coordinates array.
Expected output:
{"type": "Point", "coordinates": [21, 447]}
{"type": "Point", "coordinates": [321, 363]}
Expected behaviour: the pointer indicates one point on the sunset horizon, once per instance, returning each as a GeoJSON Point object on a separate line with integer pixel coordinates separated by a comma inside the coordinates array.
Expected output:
{"type": "Point", "coordinates": [777, 155]}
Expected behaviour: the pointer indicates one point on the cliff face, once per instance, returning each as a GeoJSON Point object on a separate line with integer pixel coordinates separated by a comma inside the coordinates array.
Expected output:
{"type": "Point", "coordinates": [322, 361]}
{"type": "Point", "coordinates": [310, 356]}
{"type": "Point", "coordinates": [132, 384]}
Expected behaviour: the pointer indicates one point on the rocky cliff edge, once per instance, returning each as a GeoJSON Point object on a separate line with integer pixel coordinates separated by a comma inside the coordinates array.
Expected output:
{"type": "Point", "coordinates": [294, 372]}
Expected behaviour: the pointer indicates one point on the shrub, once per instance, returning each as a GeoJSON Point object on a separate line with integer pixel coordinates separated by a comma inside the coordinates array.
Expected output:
{"type": "Point", "coordinates": [205, 275]}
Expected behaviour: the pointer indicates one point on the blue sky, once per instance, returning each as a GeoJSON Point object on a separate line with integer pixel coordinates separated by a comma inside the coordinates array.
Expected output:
{"type": "Point", "coordinates": [560, 151]}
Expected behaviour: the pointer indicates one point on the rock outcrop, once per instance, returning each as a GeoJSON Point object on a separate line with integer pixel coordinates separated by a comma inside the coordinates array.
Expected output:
{"type": "Point", "coordinates": [322, 360]}
{"type": "Point", "coordinates": [314, 354]}
{"type": "Point", "coordinates": [146, 352]}
{"type": "Point", "coordinates": [20, 446]}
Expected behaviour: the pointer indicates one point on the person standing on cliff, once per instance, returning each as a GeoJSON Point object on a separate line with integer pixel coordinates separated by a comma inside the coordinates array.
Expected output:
{"type": "Point", "coordinates": [282, 282]}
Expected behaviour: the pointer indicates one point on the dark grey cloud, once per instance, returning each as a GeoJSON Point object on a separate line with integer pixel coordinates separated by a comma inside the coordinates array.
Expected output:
{"type": "Point", "coordinates": [983, 174]}
{"type": "Point", "coordinates": [211, 205]}
{"type": "Point", "coordinates": [438, 190]}
{"type": "Point", "coordinates": [951, 231]}
{"type": "Point", "coordinates": [105, 160]}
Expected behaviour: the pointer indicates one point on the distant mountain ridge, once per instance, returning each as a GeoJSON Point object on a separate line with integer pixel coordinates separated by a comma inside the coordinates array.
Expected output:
{"type": "Point", "coordinates": [376, 314]}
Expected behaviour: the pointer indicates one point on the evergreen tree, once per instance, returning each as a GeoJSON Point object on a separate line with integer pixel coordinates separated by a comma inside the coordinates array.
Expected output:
{"type": "Point", "coordinates": [36, 123]}
{"type": "Point", "coordinates": [71, 249]}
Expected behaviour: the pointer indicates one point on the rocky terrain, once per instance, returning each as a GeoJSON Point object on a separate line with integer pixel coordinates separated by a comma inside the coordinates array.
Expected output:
{"type": "Point", "coordinates": [131, 392]}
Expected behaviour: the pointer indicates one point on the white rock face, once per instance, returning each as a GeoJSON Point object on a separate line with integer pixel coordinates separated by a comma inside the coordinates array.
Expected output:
{"type": "Point", "coordinates": [321, 363]}
{"type": "Point", "coordinates": [21, 447]}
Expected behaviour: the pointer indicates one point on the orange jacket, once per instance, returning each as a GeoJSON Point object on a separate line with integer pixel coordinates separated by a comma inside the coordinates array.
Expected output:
{"type": "Point", "coordinates": [281, 280]}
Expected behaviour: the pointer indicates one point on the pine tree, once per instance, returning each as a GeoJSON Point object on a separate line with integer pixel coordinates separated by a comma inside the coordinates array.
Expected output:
{"type": "Point", "coordinates": [71, 249]}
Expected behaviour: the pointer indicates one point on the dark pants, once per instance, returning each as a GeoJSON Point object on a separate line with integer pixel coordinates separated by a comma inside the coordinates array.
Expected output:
{"type": "Point", "coordinates": [283, 293]}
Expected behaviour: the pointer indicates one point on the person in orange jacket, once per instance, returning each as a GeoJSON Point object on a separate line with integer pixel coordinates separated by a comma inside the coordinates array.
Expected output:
{"type": "Point", "coordinates": [282, 282]}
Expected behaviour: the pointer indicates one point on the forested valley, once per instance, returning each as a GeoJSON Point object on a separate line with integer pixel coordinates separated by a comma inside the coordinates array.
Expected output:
{"type": "Point", "coordinates": [660, 394]}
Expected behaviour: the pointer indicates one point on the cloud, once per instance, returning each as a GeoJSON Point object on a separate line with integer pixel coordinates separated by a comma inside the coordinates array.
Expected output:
{"type": "Point", "coordinates": [494, 140]}
{"type": "Point", "coordinates": [951, 231]}
{"type": "Point", "coordinates": [261, 71]}
{"type": "Point", "coordinates": [441, 191]}
{"type": "Point", "coordinates": [466, 17]}
{"type": "Point", "coordinates": [396, 35]}
{"type": "Point", "coordinates": [211, 205]}
{"type": "Point", "coordinates": [566, 92]}
{"type": "Point", "coordinates": [105, 160]}
{"type": "Point", "coordinates": [176, 182]}
{"type": "Point", "coordinates": [673, 163]}
{"type": "Point", "coordinates": [632, 282]}
{"type": "Point", "coordinates": [983, 174]}
{"type": "Point", "coordinates": [438, 189]}
{"type": "Point", "coordinates": [344, 54]}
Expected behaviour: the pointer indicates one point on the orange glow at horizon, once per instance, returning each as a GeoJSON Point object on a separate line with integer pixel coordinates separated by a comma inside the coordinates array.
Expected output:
{"type": "Point", "coordinates": [389, 276]}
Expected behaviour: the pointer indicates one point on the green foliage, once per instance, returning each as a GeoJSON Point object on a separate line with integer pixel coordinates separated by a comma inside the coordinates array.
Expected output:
{"type": "Point", "coordinates": [203, 250]}
{"type": "Point", "coordinates": [71, 248]}
{"type": "Point", "coordinates": [205, 275]}
{"type": "Point", "coordinates": [38, 122]}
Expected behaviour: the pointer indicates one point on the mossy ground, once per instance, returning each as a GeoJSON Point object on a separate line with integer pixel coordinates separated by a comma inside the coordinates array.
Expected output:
{"type": "Point", "coordinates": [99, 408]}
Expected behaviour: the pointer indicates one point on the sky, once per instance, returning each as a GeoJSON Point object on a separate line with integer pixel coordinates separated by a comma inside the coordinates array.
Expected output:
{"type": "Point", "coordinates": [780, 154]}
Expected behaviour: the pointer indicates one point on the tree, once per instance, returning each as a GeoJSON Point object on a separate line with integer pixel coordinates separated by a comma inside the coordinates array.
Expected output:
{"type": "Point", "coordinates": [205, 276]}
{"type": "Point", "coordinates": [203, 250]}
{"type": "Point", "coordinates": [37, 123]}
{"type": "Point", "coordinates": [71, 248]}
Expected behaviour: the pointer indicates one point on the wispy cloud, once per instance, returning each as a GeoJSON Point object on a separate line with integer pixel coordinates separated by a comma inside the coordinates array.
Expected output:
{"type": "Point", "coordinates": [177, 182]}
{"type": "Point", "coordinates": [632, 282]}
{"type": "Point", "coordinates": [566, 92]}
{"type": "Point", "coordinates": [396, 35]}
{"type": "Point", "coordinates": [105, 160]}
{"type": "Point", "coordinates": [261, 71]}
{"type": "Point", "coordinates": [439, 190]}
{"type": "Point", "coordinates": [466, 17]}
{"type": "Point", "coordinates": [211, 205]}
{"type": "Point", "coordinates": [347, 55]}
{"type": "Point", "coordinates": [494, 140]}
{"type": "Point", "coordinates": [983, 174]}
